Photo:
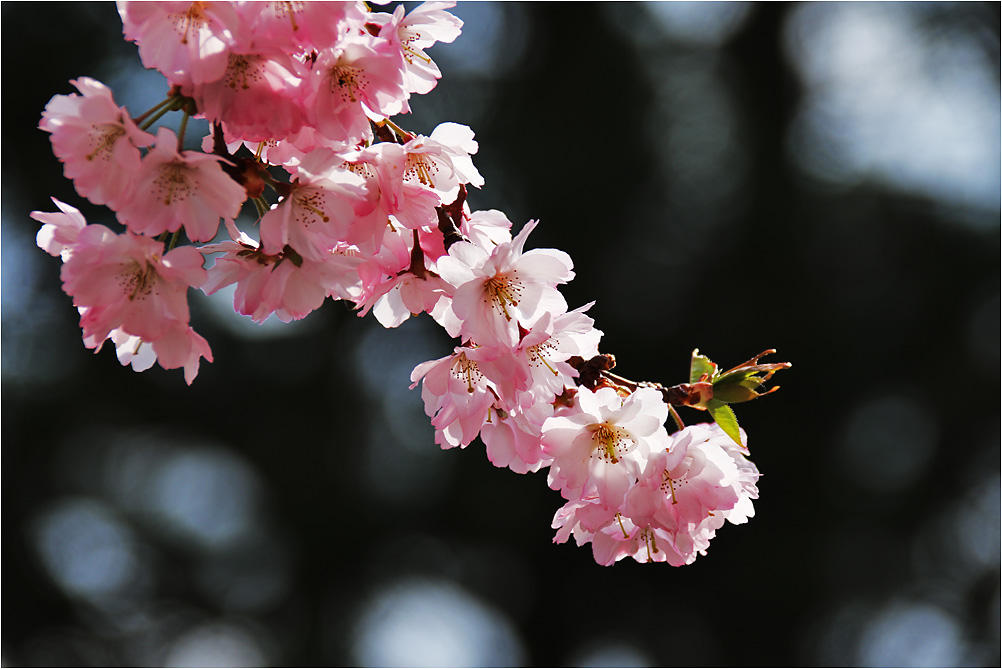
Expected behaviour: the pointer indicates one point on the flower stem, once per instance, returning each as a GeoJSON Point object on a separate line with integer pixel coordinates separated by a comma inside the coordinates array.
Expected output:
{"type": "Point", "coordinates": [173, 240]}
{"type": "Point", "coordinates": [279, 187]}
{"type": "Point", "coordinates": [156, 117]}
{"type": "Point", "coordinates": [623, 381]}
{"type": "Point", "coordinates": [417, 267]}
{"type": "Point", "coordinates": [678, 422]}
{"type": "Point", "coordinates": [262, 206]}
{"type": "Point", "coordinates": [166, 102]}
{"type": "Point", "coordinates": [404, 135]}
{"type": "Point", "coordinates": [181, 130]}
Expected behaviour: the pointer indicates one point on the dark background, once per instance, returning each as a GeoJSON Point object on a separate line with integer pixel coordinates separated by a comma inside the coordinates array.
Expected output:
{"type": "Point", "coordinates": [822, 179]}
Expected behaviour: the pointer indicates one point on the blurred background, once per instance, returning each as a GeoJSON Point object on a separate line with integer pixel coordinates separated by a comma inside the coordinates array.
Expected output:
{"type": "Point", "coordinates": [823, 179]}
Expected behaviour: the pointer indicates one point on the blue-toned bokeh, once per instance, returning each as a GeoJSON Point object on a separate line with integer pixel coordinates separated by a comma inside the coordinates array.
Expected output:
{"type": "Point", "coordinates": [823, 179]}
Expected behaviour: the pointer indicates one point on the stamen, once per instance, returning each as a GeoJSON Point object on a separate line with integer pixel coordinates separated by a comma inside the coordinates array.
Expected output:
{"type": "Point", "coordinates": [535, 354]}
{"type": "Point", "coordinates": [290, 9]}
{"type": "Point", "coordinates": [543, 360]}
{"type": "Point", "coordinates": [611, 442]}
{"type": "Point", "coordinates": [463, 367]}
{"type": "Point", "coordinates": [407, 38]}
{"type": "Point", "coordinates": [671, 486]}
{"type": "Point", "coordinates": [108, 134]}
{"type": "Point", "coordinates": [139, 282]}
{"type": "Point", "coordinates": [417, 167]}
{"type": "Point", "coordinates": [503, 290]}
{"type": "Point", "coordinates": [172, 183]}
{"type": "Point", "coordinates": [347, 80]}
{"type": "Point", "coordinates": [188, 23]}
{"type": "Point", "coordinates": [243, 70]}
{"type": "Point", "coordinates": [361, 169]}
{"type": "Point", "coordinates": [311, 201]}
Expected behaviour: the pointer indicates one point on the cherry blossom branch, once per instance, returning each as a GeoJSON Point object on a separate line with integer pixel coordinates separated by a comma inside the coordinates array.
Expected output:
{"type": "Point", "coordinates": [450, 218]}
{"type": "Point", "coordinates": [371, 213]}
{"type": "Point", "coordinates": [708, 390]}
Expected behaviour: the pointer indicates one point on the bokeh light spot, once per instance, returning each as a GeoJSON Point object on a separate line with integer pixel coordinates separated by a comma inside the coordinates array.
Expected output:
{"type": "Point", "coordinates": [206, 495]}
{"type": "Point", "coordinates": [912, 635]}
{"type": "Point", "coordinates": [433, 623]}
{"type": "Point", "coordinates": [889, 442]}
{"type": "Point", "coordinates": [216, 645]}
{"type": "Point", "coordinates": [86, 549]}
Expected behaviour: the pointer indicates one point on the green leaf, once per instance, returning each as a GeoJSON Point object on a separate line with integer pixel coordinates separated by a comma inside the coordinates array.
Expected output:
{"type": "Point", "coordinates": [733, 389]}
{"type": "Point", "coordinates": [699, 366]}
{"type": "Point", "coordinates": [725, 418]}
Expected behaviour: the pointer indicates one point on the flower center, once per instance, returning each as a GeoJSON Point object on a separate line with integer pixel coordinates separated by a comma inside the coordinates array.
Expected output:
{"type": "Point", "coordinates": [242, 71]}
{"type": "Point", "coordinates": [502, 290]}
{"type": "Point", "coordinates": [309, 206]}
{"type": "Point", "coordinates": [259, 256]}
{"type": "Point", "coordinates": [647, 534]}
{"type": "Point", "coordinates": [536, 355]}
{"type": "Point", "coordinates": [408, 36]}
{"type": "Point", "coordinates": [347, 80]}
{"type": "Point", "coordinates": [105, 135]}
{"type": "Point", "coordinates": [364, 170]}
{"type": "Point", "coordinates": [668, 485]}
{"type": "Point", "coordinates": [138, 282]}
{"type": "Point", "coordinates": [464, 368]}
{"type": "Point", "coordinates": [172, 184]}
{"type": "Point", "coordinates": [611, 442]}
{"type": "Point", "coordinates": [417, 167]}
{"type": "Point", "coordinates": [188, 23]}
{"type": "Point", "coordinates": [289, 9]}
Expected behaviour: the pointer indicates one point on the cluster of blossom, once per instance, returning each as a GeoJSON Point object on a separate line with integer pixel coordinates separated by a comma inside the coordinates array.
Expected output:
{"type": "Point", "coordinates": [299, 97]}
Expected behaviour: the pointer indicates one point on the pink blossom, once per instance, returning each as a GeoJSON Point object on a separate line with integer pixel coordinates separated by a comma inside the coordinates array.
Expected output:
{"type": "Point", "coordinates": [582, 518]}
{"type": "Point", "coordinates": [96, 141]}
{"type": "Point", "coordinates": [513, 439]}
{"type": "Point", "coordinates": [128, 291]}
{"type": "Point", "coordinates": [541, 371]}
{"type": "Point", "coordinates": [130, 350]}
{"type": "Point", "coordinates": [187, 41]}
{"type": "Point", "coordinates": [176, 189]}
{"type": "Point", "coordinates": [458, 393]}
{"type": "Point", "coordinates": [612, 535]}
{"type": "Point", "coordinates": [287, 152]}
{"type": "Point", "coordinates": [487, 228]}
{"type": "Point", "coordinates": [60, 230]}
{"type": "Point", "coordinates": [396, 282]}
{"type": "Point", "coordinates": [318, 211]}
{"type": "Point", "coordinates": [180, 346]}
{"type": "Point", "coordinates": [258, 96]}
{"type": "Point", "coordinates": [126, 281]}
{"type": "Point", "coordinates": [442, 162]}
{"type": "Point", "coordinates": [362, 73]}
{"type": "Point", "coordinates": [284, 284]}
{"type": "Point", "coordinates": [501, 290]}
{"type": "Point", "coordinates": [425, 25]}
{"type": "Point", "coordinates": [623, 538]}
{"type": "Point", "coordinates": [293, 27]}
{"type": "Point", "coordinates": [383, 167]}
{"type": "Point", "coordinates": [687, 491]}
{"type": "Point", "coordinates": [400, 297]}
{"type": "Point", "coordinates": [601, 444]}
